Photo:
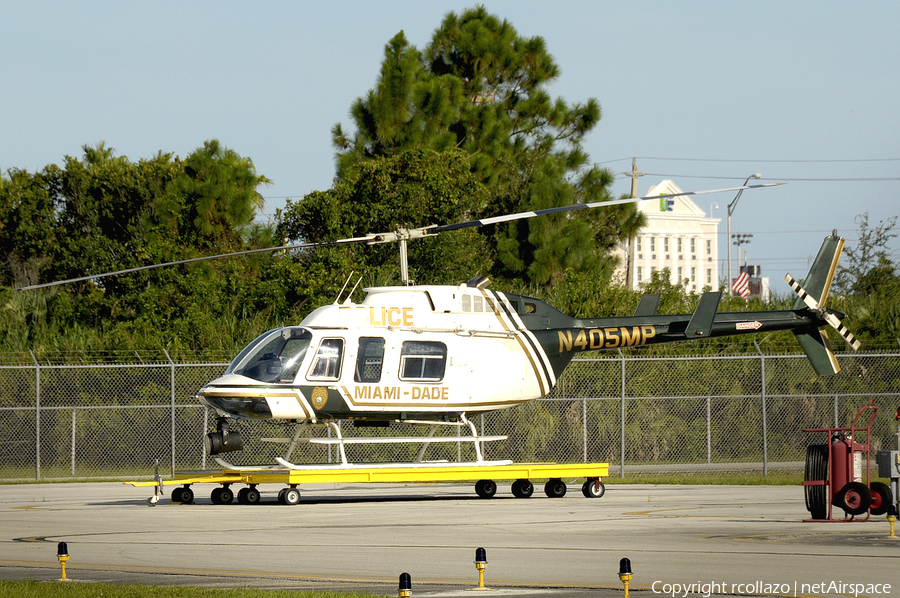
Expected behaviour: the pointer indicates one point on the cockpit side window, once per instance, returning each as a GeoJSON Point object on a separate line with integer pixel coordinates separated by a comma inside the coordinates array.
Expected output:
{"type": "Point", "coordinates": [327, 362]}
{"type": "Point", "coordinates": [369, 359]}
{"type": "Point", "coordinates": [422, 360]}
{"type": "Point", "coordinates": [275, 356]}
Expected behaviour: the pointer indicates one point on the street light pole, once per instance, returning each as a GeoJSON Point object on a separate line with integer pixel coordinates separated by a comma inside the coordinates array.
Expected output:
{"type": "Point", "coordinates": [731, 208]}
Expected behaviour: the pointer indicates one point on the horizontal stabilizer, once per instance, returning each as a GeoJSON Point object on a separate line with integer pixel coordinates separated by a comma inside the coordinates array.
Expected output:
{"type": "Point", "coordinates": [648, 305]}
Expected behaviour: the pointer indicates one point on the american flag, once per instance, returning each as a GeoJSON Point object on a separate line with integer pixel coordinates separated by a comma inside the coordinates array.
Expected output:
{"type": "Point", "coordinates": [742, 285]}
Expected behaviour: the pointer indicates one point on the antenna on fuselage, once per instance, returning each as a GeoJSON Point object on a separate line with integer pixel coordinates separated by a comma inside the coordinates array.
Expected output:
{"type": "Point", "coordinates": [347, 301]}
{"type": "Point", "coordinates": [338, 298]}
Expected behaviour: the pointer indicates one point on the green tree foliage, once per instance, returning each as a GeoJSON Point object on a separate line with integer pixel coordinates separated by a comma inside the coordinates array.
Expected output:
{"type": "Point", "coordinates": [481, 87]}
{"type": "Point", "coordinates": [862, 264]}
{"type": "Point", "coordinates": [104, 213]}
{"type": "Point", "coordinates": [412, 189]}
{"type": "Point", "coordinates": [868, 284]}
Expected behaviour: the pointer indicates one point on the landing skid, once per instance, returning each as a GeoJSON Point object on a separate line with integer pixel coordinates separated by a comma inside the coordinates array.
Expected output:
{"type": "Point", "coordinates": [341, 442]}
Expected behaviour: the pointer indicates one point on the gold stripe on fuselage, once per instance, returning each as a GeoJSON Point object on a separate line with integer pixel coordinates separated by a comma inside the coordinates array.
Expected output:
{"type": "Point", "coordinates": [518, 335]}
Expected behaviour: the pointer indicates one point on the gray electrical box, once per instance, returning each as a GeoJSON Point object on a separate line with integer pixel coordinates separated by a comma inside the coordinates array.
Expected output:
{"type": "Point", "coordinates": [888, 464]}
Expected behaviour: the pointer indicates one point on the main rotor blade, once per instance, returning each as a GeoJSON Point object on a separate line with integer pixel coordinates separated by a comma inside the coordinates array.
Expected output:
{"type": "Point", "coordinates": [407, 234]}
{"type": "Point", "coordinates": [585, 206]}
{"type": "Point", "coordinates": [365, 239]}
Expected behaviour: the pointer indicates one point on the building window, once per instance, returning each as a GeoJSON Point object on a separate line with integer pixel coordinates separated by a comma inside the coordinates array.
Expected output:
{"type": "Point", "coordinates": [666, 244]}
{"type": "Point", "coordinates": [640, 274]}
{"type": "Point", "coordinates": [694, 275]}
{"type": "Point", "coordinates": [639, 244]}
{"type": "Point", "coordinates": [652, 243]}
{"type": "Point", "coordinates": [708, 276]}
{"type": "Point", "coordinates": [680, 274]}
{"type": "Point", "coordinates": [679, 244]}
{"type": "Point", "coordinates": [708, 247]}
{"type": "Point", "coordinates": [693, 246]}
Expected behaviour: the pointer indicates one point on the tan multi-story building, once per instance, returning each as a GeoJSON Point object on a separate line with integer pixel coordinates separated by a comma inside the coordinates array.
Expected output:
{"type": "Point", "coordinates": [681, 238]}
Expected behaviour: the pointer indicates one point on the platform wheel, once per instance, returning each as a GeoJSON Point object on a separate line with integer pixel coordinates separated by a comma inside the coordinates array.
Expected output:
{"type": "Point", "coordinates": [882, 498]}
{"type": "Point", "coordinates": [855, 498]}
{"type": "Point", "coordinates": [242, 496]}
{"type": "Point", "coordinates": [555, 488]}
{"type": "Point", "coordinates": [486, 488]}
{"type": "Point", "coordinates": [253, 496]}
{"type": "Point", "coordinates": [186, 495]}
{"type": "Point", "coordinates": [289, 496]}
{"type": "Point", "coordinates": [177, 495]}
{"type": "Point", "coordinates": [222, 496]}
{"type": "Point", "coordinates": [593, 488]}
{"type": "Point", "coordinates": [522, 489]}
{"type": "Point", "coordinates": [816, 471]}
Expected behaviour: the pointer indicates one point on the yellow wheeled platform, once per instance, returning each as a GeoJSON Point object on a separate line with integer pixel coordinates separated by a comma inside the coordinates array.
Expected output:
{"type": "Point", "coordinates": [486, 473]}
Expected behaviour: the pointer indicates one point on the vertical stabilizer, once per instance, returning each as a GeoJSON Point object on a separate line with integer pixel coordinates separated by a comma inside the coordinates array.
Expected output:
{"type": "Point", "coordinates": [813, 294]}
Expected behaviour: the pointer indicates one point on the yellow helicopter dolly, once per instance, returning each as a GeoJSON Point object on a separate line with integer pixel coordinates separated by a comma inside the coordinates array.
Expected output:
{"type": "Point", "coordinates": [436, 354]}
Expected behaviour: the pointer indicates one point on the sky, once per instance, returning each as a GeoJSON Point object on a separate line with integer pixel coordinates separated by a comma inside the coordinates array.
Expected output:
{"type": "Point", "coordinates": [703, 93]}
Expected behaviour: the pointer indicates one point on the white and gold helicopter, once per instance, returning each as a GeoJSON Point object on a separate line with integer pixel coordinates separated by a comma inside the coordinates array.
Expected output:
{"type": "Point", "coordinates": [436, 355]}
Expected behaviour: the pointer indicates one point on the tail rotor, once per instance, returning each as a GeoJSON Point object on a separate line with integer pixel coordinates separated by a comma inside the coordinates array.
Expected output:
{"type": "Point", "coordinates": [823, 312]}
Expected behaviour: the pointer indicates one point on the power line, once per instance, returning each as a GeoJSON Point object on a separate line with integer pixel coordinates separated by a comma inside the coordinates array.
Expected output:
{"type": "Point", "coordinates": [773, 161]}
{"type": "Point", "coordinates": [731, 178]}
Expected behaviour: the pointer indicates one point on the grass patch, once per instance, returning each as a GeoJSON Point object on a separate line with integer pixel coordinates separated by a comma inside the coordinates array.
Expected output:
{"type": "Point", "coordinates": [34, 589]}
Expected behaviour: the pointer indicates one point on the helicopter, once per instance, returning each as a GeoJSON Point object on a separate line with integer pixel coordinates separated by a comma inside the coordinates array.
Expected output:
{"type": "Point", "coordinates": [438, 354]}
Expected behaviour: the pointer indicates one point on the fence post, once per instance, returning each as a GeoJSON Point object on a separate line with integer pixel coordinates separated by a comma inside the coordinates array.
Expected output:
{"type": "Point", "coordinates": [37, 417]}
{"type": "Point", "coordinates": [836, 424]}
{"type": "Point", "coordinates": [709, 423]}
{"type": "Point", "coordinates": [73, 442]}
{"type": "Point", "coordinates": [622, 443]}
{"type": "Point", "coordinates": [584, 428]}
{"type": "Point", "coordinates": [762, 360]}
{"type": "Point", "coordinates": [172, 397]}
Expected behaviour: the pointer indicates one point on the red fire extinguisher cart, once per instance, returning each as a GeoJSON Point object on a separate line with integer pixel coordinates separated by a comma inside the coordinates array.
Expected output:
{"type": "Point", "coordinates": [835, 472]}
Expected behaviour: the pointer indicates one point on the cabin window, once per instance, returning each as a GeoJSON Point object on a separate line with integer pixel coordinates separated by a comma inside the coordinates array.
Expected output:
{"type": "Point", "coordinates": [369, 359]}
{"type": "Point", "coordinates": [422, 360]}
{"type": "Point", "coordinates": [530, 308]}
{"type": "Point", "coordinates": [466, 302]}
{"type": "Point", "coordinates": [327, 363]}
{"type": "Point", "coordinates": [479, 303]}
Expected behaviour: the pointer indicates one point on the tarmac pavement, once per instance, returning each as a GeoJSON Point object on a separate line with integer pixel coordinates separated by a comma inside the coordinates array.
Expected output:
{"type": "Point", "coordinates": [683, 541]}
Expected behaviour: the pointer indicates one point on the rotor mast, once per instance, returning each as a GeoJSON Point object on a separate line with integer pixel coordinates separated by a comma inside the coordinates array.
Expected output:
{"type": "Point", "coordinates": [401, 236]}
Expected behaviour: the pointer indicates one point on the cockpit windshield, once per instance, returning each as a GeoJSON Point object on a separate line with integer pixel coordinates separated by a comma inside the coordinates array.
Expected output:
{"type": "Point", "coordinates": [274, 356]}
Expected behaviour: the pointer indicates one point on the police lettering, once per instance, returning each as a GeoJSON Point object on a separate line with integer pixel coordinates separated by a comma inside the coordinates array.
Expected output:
{"type": "Point", "coordinates": [391, 316]}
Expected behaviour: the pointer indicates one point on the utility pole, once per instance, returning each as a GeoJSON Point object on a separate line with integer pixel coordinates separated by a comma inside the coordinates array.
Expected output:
{"type": "Point", "coordinates": [629, 253]}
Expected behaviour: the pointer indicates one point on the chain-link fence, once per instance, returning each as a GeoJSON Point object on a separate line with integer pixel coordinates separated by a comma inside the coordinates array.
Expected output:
{"type": "Point", "coordinates": [737, 413]}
